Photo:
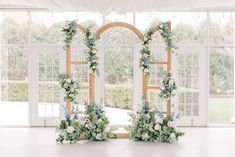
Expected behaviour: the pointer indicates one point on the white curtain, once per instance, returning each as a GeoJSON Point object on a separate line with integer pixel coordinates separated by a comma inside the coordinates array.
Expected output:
{"type": "Point", "coordinates": [121, 6]}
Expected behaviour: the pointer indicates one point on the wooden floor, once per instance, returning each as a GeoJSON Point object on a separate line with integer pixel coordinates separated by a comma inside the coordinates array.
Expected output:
{"type": "Point", "coordinates": [40, 142]}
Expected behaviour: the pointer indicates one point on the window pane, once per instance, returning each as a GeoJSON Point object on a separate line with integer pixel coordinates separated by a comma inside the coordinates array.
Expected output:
{"type": "Point", "coordinates": [221, 28]}
{"type": "Point", "coordinates": [221, 85]}
{"type": "Point", "coordinates": [14, 86]}
{"type": "Point", "coordinates": [14, 27]}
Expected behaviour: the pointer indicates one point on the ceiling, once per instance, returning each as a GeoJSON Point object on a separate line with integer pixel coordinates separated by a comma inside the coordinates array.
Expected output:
{"type": "Point", "coordinates": [121, 6]}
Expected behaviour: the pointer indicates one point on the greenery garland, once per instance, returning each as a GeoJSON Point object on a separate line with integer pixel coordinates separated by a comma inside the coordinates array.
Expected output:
{"type": "Point", "coordinates": [95, 124]}
{"type": "Point", "coordinates": [168, 87]}
{"type": "Point", "coordinates": [70, 87]}
{"type": "Point", "coordinates": [146, 56]}
{"type": "Point", "coordinates": [90, 41]}
{"type": "Point", "coordinates": [70, 30]}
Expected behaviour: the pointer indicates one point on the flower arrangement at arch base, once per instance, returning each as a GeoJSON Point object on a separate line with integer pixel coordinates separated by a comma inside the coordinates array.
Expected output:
{"type": "Point", "coordinates": [94, 126]}
{"type": "Point", "coordinates": [153, 126]}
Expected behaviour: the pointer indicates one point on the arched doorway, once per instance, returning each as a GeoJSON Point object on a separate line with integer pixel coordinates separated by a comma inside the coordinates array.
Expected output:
{"type": "Point", "coordinates": [119, 81]}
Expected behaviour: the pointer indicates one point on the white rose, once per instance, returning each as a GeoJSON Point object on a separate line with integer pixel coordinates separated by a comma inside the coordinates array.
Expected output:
{"type": "Point", "coordinates": [145, 38]}
{"type": "Point", "coordinates": [145, 136]}
{"type": "Point", "coordinates": [172, 138]}
{"type": "Point", "coordinates": [146, 70]}
{"type": "Point", "coordinates": [147, 116]}
{"type": "Point", "coordinates": [68, 80]}
{"type": "Point", "coordinates": [171, 124]}
{"type": "Point", "coordinates": [171, 82]}
{"type": "Point", "coordinates": [162, 87]}
{"type": "Point", "coordinates": [157, 127]}
{"type": "Point", "coordinates": [145, 55]}
{"type": "Point", "coordinates": [98, 136]}
{"type": "Point", "coordinates": [151, 129]}
{"type": "Point", "coordinates": [159, 120]}
{"type": "Point", "coordinates": [94, 51]}
{"type": "Point", "coordinates": [173, 92]}
{"type": "Point", "coordinates": [100, 120]}
{"type": "Point", "coordinates": [66, 85]}
{"type": "Point", "coordinates": [70, 129]}
{"type": "Point", "coordinates": [65, 142]}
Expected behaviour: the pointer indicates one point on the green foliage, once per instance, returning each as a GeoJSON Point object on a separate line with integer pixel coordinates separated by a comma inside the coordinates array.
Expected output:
{"type": "Point", "coordinates": [167, 87]}
{"type": "Point", "coordinates": [146, 56]}
{"type": "Point", "coordinates": [69, 29]}
{"type": "Point", "coordinates": [144, 126]}
{"type": "Point", "coordinates": [150, 125]}
{"type": "Point", "coordinates": [119, 96]}
{"type": "Point", "coordinates": [90, 41]}
{"type": "Point", "coordinates": [14, 91]}
{"type": "Point", "coordinates": [95, 124]}
{"type": "Point", "coordinates": [70, 87]}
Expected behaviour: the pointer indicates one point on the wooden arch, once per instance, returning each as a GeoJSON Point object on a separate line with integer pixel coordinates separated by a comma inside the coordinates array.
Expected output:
{"type": "Point", "coordinates": [119, 24]}
{"type": "Point", "coordinates": [166, 63]}
{"type": "Point", "coordinates": [69, 62]}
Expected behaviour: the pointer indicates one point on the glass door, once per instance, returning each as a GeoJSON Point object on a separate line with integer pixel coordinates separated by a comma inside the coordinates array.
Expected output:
{"type": "Point", "coordinates": [191, 73]}
{"type": "Point", "coordinates": [45, 63]}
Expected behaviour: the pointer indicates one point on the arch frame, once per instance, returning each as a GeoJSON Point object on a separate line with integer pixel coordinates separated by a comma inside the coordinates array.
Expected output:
{"type": "Point", "coordinates": [69, 62]}
{"type": "Point", "coordinates": [119, 24]}
{"type": "Point", "coordinates": [168, 63]}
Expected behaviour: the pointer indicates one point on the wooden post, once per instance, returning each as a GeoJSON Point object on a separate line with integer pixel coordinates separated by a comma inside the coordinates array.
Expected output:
{"type": "Point", "coordinates": [68, 71]}
{"type": "Point", "coordinates": [169, 70]}
{"type": "Point", "coordinates": [92, 88]}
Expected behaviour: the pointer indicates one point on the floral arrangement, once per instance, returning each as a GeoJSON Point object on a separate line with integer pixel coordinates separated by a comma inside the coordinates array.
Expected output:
{"type": "Point", "coordinates": [168, 87]}
{"type": "Point", "coordinates": [95, 124]}
{"type": "Point", "coordinates": [145, 126]}
{"type": "Point", "coordinates": [70, 87]}
{"type": "Point", "coordinates": [146, 56]}
{"type": "Point", "coordinates": [149, 125]}
{"type": "Point", "coordinates": [168, 131]}
{"type": "Point", "coordinates": [90, 41]}
{"type": "Point", "coordinates": [69, 29]}
{"type": "Point", "coordinates": [69, 129]}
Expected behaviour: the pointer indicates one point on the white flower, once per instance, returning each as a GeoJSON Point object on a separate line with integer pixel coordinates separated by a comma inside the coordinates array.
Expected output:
{"type": "Point", "coordinates": [93, 61]}
{"type": "Point", "coordinates": [151, 129]}
{"type": "Point", "coordinates": [172, 138]}
{"type": "Point", "coordinates": [145, 55]}
{"type": "Point", "coordinates": [66, 142]}
{"type": "Point", "coordinates": [145, 136]}
{"type": "Point", "coordinates": [93, 51]}
{"type": "Point", "coordinates": [159, 120]}
{"type": "Point", "coordinates": [66, 25]}
{"type": "Point", "coordinates": [70, 129]}
{"type": "Point", "coordinates": [66, 85]}
{"type": "Point", "coordinates": [171, 124]}
{"type": "Point", "coordinates": [173, 92]}
{"type": "Point", "coordinates": [72, 90]}
{"type": "Point", "coordinates": [100, 120]}
{"type": "Point", "coordinates": [157, 127]}
{"type": "Point", "coordinates": [98, 136]}
{"type": "Point", "coordinates": [147, 116]}
{"type": "Point", "coordinates": [171, 82]}
{"type": "Point", "coordinates": [68, 80]}
{"type": "Point", "coordinates": [162, 87]}
{"type": "Point", "coordinates": [146, 70]}
{"type": "Point", "coordinates": [145, 38]}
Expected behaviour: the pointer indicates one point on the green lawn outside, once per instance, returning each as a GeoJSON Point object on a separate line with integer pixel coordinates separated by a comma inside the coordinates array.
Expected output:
{"type": "Point", "coordinates": [120, 95]}
{"type": "Point", "coordinates": [220, 110]}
